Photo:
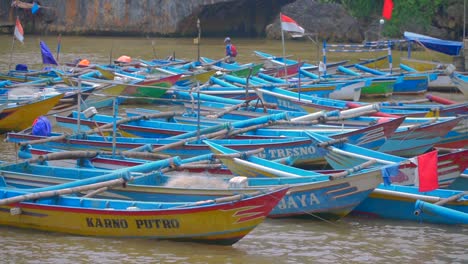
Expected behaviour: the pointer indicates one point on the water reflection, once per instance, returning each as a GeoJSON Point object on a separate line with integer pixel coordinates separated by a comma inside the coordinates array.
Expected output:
{"type": "Point", "coordinates": [351, 240]}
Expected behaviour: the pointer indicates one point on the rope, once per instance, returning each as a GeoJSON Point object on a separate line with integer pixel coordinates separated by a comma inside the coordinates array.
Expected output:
{"type": "Point", "coordinates": [357, 50]}
{"type": "Point", "coordinates": [386, 42]}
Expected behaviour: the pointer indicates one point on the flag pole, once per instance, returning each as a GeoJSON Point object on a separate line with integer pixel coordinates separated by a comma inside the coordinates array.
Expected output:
{"type": "Point", "coordinates": [11, 52]}
{"type": "Point", "coordinates": [390, 59]}
{"type": "Point", "coordinates": [464, 19]}
{"type": "Point", "coordinates": [284, 49]}
{"type": "Point", "coordinates": [324, 54]}
{"type": "Point", "coordinates": [198, 39]}
{"type": "Point", "coordinates": [110, 53]}
{"type": "Point", "coordinates": [13, 41]}
{"type": "Point", "coordinates": [59, 46]}
{"type": "Point", "coordinates": [154, 50]}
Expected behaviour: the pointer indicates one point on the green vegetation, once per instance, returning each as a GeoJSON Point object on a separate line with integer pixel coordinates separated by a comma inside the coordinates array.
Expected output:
{"type": "Point", "coordinates": [361, 9]}
{"type": "Point", "coordinates": [406, 14]}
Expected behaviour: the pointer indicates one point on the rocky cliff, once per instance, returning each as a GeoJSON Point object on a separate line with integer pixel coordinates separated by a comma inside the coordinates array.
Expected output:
{"type": "Point", "coordinates": [156, 17]}
{"type": "Point", "coordinates": [324, 21]}
{"type": "Point", "coordinates": [248, 18]}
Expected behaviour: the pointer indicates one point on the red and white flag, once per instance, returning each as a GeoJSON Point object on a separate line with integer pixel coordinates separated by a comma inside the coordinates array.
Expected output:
{"type": "Point", "coordinates": [19, 33]}
{"type": "Point", "coordinates": [387, 9]}
{"type": "Point", "coordinates": [426, 171]}
{"type": "Point", "coordinates": [288, 24]}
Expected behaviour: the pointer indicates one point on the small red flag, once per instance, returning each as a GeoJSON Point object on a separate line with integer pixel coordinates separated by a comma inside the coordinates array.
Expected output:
{"type": "Point", "coordinates": [19, 32]}
{"type": "Point", "coordinates": [387, 9]}
{"type": "Point", "coordinates": [288, 24]}
{"type": "Point", "coordinates": [427, 171]}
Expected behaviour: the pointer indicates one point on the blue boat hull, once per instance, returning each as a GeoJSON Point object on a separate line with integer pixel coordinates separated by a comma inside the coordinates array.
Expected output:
{"type": "Point", "coordinates": [308, 196]}
{"type": "Point", "coordinates": [384, 203]}
{"type": "Point", "coordinates": [440, 214]}
{"type": "Point", "coordinates": [411, 84]}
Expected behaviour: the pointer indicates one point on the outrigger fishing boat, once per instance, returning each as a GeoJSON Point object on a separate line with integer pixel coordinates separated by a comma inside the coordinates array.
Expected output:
{"type": "Point", "coordinates": [407, 203]}
{"type": "Point", "coordinates": [19, 116]}
{"type": "Point", "coordinates": [311, 194]}
{"type": "Point", "coordinates": [221, 221]}
{"type": "Point", "coordinates": [341, 155]}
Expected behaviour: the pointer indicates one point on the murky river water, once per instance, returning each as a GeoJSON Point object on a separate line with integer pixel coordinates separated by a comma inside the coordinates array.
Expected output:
{"type": "Point", "coordinates": [350, 240]}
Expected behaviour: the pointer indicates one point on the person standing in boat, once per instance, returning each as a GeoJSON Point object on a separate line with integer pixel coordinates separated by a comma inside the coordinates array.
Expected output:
{"type": "Point", "coordinates": [231, 51]}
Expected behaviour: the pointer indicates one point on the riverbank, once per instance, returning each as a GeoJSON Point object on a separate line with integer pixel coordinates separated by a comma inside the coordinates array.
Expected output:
{"type": "Point", "coordinates": [106, 49]}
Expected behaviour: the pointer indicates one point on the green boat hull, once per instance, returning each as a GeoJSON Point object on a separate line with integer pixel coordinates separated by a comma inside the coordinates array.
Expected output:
{"type": "Point", "coordinates": [378, 88]}
{"type": "Point", "coordinates": [243, 73]}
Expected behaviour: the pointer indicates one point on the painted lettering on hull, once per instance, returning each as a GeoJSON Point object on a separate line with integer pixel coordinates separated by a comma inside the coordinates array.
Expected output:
{"type": "Point", "coordinates": [106, 223]}
{"type": "Point", "coordinates": [139, 223]}
{"type": "Point", "coordinates": [288, 152]}
{"type": "Point", "coordinates": [157, 223]}
{"type": "Point", "coordinates": [298, 201]}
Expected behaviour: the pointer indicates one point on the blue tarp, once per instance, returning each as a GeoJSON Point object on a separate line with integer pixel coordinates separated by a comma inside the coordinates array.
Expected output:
{"type": "Point", "coordinates": [21, 67]}
{"type": "Point", "coordinates": [42, 127]}
{"type": "Point", "coordinates": [448, 47]}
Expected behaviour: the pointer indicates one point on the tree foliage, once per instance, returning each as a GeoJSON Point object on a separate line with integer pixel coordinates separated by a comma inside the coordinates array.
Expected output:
{"type": "Point", "coordinates": [407, 15]}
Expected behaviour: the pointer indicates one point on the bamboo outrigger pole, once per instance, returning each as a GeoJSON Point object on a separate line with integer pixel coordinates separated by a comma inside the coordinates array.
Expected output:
{"type": "Point", "coordinates": [105, 126]}
{"type": "Point", "coordinates": [64, 191]}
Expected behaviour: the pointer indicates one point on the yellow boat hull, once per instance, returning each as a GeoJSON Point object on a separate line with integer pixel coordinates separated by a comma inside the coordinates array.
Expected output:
{"type": "Point", "coordinates": [220, 223]}
{"type": "Point", "coordinates": [22, 116]}
{"type": "Point", "coordinates": [201, 77]}
{"type": "Point", "coordinates": [420, 65]}
{"type": "Point", "coordinates": [378, 63]}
